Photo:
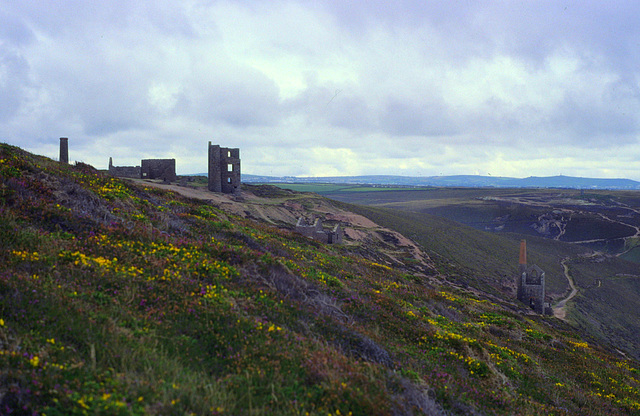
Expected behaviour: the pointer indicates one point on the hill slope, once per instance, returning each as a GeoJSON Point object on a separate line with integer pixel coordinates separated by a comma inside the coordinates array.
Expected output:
{"type": "Point", "coordinates": [607, 221]}
{"type": "Point", "coordinates": [120, 298]}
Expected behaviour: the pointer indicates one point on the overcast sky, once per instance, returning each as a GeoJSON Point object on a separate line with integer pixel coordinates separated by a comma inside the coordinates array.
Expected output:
{"type": "Point", "coordinates": [317, 88]}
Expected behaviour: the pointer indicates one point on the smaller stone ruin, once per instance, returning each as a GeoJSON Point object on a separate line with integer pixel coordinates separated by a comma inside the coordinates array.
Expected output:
{"type": "Point", "coordinates": [132, 172]}
{"type": "Point", "coordinates": [164, 169]}
{"type": "Point", "coordinates": [317, 232]}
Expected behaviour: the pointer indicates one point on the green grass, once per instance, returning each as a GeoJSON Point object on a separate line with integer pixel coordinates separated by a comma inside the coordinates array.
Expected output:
{"type": "Point", "coordinates": [118, 299]}
{"type": "Point", "coordinates": [326, 188]}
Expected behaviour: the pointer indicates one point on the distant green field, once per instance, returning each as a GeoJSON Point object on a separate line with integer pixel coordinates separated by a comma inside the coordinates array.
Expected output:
{"type": "Point", "coordinates": [325, 188]}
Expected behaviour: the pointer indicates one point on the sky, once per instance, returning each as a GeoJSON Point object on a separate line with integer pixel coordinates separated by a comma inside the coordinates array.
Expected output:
{"type": "Point", "coordinates": [328, 88]}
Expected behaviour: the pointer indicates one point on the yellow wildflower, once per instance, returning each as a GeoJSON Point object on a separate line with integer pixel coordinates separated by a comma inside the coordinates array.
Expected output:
{"type": "Point", "coordinates": [34, 361]}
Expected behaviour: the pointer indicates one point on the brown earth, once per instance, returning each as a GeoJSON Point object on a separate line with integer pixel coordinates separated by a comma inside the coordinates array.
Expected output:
{"type": "Point", "coordinates": [284, 211]}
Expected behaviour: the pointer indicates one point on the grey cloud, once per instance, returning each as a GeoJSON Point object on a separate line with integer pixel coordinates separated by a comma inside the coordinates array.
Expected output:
{"type": "Point", "coordinates": [71, 18]}
{"type": "Point", "coordinates": [349, 111]}
{"type": "Point", "coordinates": [13, 82]}
{"type": "Point", "coordinates": [239, 97]}
{"type": "Point", "coordinates": [14, 67]}
{"type": "Point", "coordinates": [401, 117]}
{"type": "Point", "coordinates": [170, 19]}
{"type": "Point", "coordinates": [98, 63]}
{"type": "Point", "coordinates": [528, 29]}
{"type": "Point", "coordinates": [594, 124]}
{"type": "Point", "coordinates": [331, 104]}
{"type": "Point", "coordinates": [14, 31]}
{"type": "Point", "coordinates": [103, 97]}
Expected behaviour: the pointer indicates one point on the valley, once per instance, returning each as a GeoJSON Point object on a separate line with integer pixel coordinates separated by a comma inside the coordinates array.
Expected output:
{"type": "Point", "coordinates": [606, 221]}
{"type": "Point", "coordinates": [591, 236]}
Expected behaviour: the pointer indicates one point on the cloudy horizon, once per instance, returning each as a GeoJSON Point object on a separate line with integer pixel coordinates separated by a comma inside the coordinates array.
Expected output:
{"type": "Point", "coordinates": [329, 88]}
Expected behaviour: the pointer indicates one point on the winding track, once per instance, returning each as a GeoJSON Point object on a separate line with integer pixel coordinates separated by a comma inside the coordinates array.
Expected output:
{"type": "Point", "coordinates": [559, 310]}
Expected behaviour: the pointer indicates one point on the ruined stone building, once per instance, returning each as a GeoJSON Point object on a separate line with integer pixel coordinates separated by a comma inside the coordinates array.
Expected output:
{"type": "Point", "coordinates": [224, 169]}
{"type": "Point", "coordinates": [133, 172]}
{"type": "Point", "coordinates": [317, 232]}
{"type": "Point", "coordinates": [164, 169]}
{"type": "Point", "coordinates": [64, 150]}
{"type": "Point", "coordinates": [530, 284]}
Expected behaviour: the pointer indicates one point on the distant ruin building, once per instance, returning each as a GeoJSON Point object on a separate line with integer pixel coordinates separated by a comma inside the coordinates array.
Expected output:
{"type": "Point", "coordinates": [64, 150]}
{"type": "Point", "coordinates": [530, 284]}
{"type": "Point", "coordinates": [132, 172]}
{"type": "Point", "coordinates": [164, 169]}
{"type": "Point", "coordinates": [224, 169]}
{"type": "Point", "coordinates": [317, 232]}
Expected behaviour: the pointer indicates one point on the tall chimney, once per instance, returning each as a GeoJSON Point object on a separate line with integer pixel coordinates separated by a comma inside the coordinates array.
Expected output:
{"type": "Point", "coordinates": [64, 150]}
{"type": "Point", "coordinates": [523, 255]}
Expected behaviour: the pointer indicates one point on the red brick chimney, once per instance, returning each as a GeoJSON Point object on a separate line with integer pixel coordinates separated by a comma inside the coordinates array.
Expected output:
{"type": "Point", "coordinates": [523, 255]}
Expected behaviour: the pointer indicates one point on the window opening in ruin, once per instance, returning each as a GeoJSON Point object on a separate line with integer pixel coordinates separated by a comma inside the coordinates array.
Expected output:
{"type": "Point", "coordinates": [229, 167]}
{"type": "Point", "coordinates": [228, 180]}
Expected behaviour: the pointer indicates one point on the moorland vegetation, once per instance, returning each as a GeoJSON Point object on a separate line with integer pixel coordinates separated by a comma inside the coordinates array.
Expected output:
{"type": "Point", "coordinates": [118, 298]}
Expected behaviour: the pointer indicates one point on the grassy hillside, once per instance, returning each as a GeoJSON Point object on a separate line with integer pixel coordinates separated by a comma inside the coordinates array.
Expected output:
{"type": "Point", "coordinates": [468, 256]}
{"type": "Point", "coordinates": [607, 310]}
{"type": "Point", "coordinates": [608, 299]}
{"type": "Point", "coordinates": [117, 298]}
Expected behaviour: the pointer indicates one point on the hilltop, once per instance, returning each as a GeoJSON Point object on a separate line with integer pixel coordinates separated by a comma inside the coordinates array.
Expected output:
{"type": "Point", "coordinates": [120, 297]}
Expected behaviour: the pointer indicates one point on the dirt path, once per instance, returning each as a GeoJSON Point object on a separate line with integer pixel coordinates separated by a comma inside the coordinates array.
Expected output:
{"type": "Point", "coordinates": [559, 310]}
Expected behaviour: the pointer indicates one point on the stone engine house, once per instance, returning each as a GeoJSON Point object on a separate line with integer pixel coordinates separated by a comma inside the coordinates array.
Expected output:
{"type": "Point", "coordinates": [530, 284]}
{"type": "Point", "coordinates": [224, 169]}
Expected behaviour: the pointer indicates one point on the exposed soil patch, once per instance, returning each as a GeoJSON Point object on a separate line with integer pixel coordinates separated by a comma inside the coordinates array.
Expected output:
{"type": "Point", "coordinates": [284, 209]}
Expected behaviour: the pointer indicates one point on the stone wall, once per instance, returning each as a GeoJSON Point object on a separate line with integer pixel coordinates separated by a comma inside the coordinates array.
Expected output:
{"type": "Point", "coordinates": [164, 169]}
{"type": "Point", "coordinates": [133, 172]}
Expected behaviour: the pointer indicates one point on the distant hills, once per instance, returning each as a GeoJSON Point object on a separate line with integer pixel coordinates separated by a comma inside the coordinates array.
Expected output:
{"type": "Point", "coordinates": [560, 181]}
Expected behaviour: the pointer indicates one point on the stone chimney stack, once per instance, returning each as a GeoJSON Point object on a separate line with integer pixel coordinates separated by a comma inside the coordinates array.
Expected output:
{"type": "Point", "coordinates": [64, 150]}
{"type": "Point", "coordinates": [523, 256]}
